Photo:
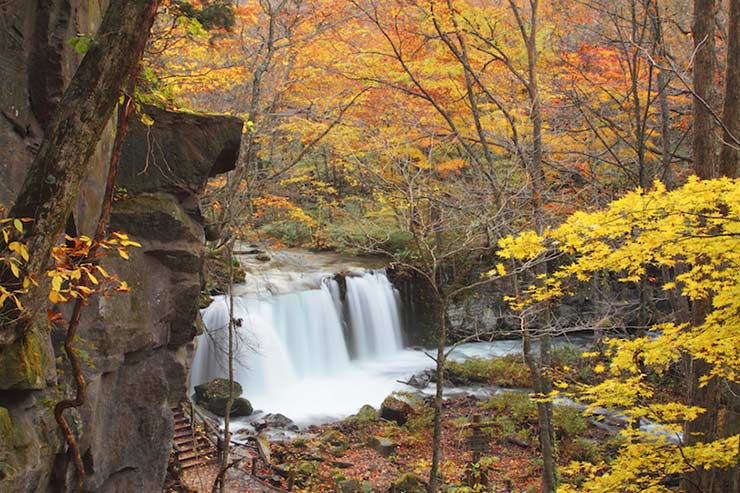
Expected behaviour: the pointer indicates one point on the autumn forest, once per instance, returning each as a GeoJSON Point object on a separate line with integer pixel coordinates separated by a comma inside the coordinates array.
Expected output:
{"type": "Point", "coordinates": [420, 245]}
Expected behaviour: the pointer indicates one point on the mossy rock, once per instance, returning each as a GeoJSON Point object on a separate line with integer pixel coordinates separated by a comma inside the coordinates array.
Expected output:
{"type": "Point", "coordinates": [240, 407]}
{"type": "Point", "coordinates": [304, 471]}
{"type": "Point", "coordinates": [350, 486]}
{"type": "Point", "coordinates": [396, 409]}
{"type": "Point", "coordinates": [367, 414]}
{"type": "Point", "coordinates": [263, 257]}
{"type": "Point", "coordinates": [6, 430]}
{"type": "Point", "coordinates": [218, 272]}
{"type": "Point", "coordinates": [335, 442]}
{"type": "Point", "coordinates": [216, 388]}
{"type": "Point", "coordinates": [214, 396]}
{"type": "Point", "coordinates": [24, 363]}
{"type": "Point", "coordinates": [410, 483]}
{"type": "Point", "coordinates": [383, 446]}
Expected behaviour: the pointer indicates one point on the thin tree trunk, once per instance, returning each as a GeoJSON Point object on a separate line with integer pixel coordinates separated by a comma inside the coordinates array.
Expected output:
{"type": "Point", "coordinates": [230, 401]}
{"type": "Point", "coordinates": [53, 180]}
{"type": "Point", "coordinates": [440, 373]}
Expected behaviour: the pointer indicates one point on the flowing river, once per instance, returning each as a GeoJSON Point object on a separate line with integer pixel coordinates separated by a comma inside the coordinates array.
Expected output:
{"type": "Point", "coordinates": [305, 349]}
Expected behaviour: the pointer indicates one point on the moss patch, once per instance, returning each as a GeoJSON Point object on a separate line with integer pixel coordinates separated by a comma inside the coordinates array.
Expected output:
{"type": "Point", "coordinates": [23, 364]}
{"type": "Point", "coordinates": [509, 371]}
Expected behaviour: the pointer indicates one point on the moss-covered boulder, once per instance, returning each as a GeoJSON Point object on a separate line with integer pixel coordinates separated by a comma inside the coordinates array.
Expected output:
{"type": "Point", "coordinates": [214, 396]}
{"type": "Point", "coordinates": [367, 414]}
{"type": "Point", "coordinates": [395, 408]}
{"type": "Point", "coordinates": [350, 486]}
{"type": "Point", "coordinates": [409, 483]}
{"type": "Point", "coordinates": [383, 446]}
{"type": "Point", "coordinates": [335, 443]}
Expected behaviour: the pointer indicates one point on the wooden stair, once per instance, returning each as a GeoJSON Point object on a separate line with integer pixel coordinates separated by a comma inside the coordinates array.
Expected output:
{"type": "Point", "coordinates": [190, 445]}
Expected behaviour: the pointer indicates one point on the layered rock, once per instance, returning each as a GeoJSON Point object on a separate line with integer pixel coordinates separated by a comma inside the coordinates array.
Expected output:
{"type": "Point", "coordinates": [134, 346]}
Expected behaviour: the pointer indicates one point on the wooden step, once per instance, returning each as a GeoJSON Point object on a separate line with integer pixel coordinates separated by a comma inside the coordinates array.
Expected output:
{"type": "Point", "coordinates": [185, 446]}
{"type": "Point", "coordinates": [197, 463]}
{"type": "Point", "coordinates": [182, 447]}
{"type": "Point", "coordinates": [202, 454]}
{"type": "Point", "coordinates": [184, 433]}
{"type": "Point", "coordinates": [184, 440]}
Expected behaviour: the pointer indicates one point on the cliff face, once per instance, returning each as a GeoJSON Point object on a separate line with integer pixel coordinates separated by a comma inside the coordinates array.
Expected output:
{"type": "Point", "coordinates": [134, 345]}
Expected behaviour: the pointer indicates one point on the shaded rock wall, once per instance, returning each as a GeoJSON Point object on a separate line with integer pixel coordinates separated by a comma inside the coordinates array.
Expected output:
{"type": "Point", "coordinates": [482, 311]}
{"type": "Point", "coordinates": [134, 345]}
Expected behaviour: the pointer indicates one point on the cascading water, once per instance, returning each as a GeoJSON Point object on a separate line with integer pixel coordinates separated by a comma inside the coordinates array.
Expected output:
{"type": "Point", "coordinates": [292, 353]}
{"type": "Point", "coordinates": [374, 315]}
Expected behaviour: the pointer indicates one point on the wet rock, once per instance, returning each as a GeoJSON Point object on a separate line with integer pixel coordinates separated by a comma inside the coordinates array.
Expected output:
{"type": "Point", "coordinates": [276, 420]}
{"type": "Point", "coordinates": [216, 388]}
{"type": "Point", "coordinates": [396, 409]}
{"type": "Point", "coordinates": [214, 396]}
{"type": "Point", "coordinates": [421, 380]}
{"type": "Point", "coordinates": [383, 446]}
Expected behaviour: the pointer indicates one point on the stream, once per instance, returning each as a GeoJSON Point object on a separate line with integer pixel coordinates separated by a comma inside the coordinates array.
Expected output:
{"type": "Point", "coordinates": [305, 350]}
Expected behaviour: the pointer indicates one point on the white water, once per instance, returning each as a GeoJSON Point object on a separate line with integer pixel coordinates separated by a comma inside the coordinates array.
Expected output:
{"type": "Point", "coordinates": [305, 353]}
{"type": "Point", "coordinates": [292, 354]}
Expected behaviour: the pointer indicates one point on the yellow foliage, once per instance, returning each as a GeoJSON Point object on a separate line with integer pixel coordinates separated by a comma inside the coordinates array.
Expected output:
{"type": "Point", "coordinates": [697, 226]}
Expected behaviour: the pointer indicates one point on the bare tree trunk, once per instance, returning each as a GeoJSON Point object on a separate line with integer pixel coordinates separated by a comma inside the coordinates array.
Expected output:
{"type": "Point", "coordinates": [703, 80]}
{"type": "Point", "coordinates": [440, 373]}
{"type": "Point", "coordinates": [53, 181]}
{"type": "Point", "coordinates": [221, 480]}
{"type": "Point", "coordinates": [730, 153]}
{"type": "Point", "coordinates": [538, 369]}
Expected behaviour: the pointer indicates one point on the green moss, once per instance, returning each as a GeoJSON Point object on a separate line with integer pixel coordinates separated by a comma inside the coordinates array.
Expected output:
{"type": "Point", "coordinates": [6, 425]}
{"type": "Point", "coordinates": [410, 483]}
{"type": "Point", "coordinates": [23, 364]}
{"type": "Point", "coordinates": [508, 371]}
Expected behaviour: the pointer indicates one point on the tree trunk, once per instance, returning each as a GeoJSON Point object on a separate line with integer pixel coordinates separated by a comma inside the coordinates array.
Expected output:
{"type": "Point", "coordinates": [221, 479]}
{"type": "Point", "coordinates": [730, 153]}
{"type": "Point", "coordinates": [703, 80]}
{"type": "Point", "coordinates": [53, 181]}
{"type": "Point", "coordinates": [440, 373]}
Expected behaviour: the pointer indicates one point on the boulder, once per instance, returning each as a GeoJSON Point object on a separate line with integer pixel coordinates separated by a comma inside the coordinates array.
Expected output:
{"type": "Point", "coordinates": [396, 409]}
{"type": "Point", "coordinates": [421, 380]}
{"type": "Point", "coordinates": [350, 486]}
{"type": "Point", "coordinates": [383, 446]}
{"type": "Point", "coordinates": [367, 414]}
{"type": "Point", "coordinates": [214, 396]}
{"type": "Point", "coordinates": [409, 483]}
{"type": "Point", "coordinates": [276, 420]}
{"type": "Point", "coordinates": [335, 443]}
{"type": "Point", "coordinates": [216, 388]}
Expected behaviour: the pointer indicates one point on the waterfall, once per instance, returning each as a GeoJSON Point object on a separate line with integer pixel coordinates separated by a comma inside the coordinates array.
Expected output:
{"type": "Point", "coordinates": [374, 315]}
{"type": "Point", "coordinates": [284, 340]}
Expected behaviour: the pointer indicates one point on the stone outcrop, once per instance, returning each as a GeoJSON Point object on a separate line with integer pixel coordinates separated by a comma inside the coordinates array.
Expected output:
{"type": "Point", "coordinates": [134, 346]}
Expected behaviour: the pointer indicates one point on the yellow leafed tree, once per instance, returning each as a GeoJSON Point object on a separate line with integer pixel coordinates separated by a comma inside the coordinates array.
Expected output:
{"type": "Point", "coordinates": [694, 232]}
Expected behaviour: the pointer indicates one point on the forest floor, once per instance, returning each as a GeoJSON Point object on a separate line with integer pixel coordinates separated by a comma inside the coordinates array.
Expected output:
{"type": "Point", "coordinates": [330, 455]}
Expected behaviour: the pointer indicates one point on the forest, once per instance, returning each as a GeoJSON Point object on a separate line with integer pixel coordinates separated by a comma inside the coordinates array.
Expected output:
{"type": "Point", "coordinates": [370, 246]}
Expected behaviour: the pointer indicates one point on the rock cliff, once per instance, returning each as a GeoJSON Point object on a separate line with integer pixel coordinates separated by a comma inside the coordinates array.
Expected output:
{"type": "Point", "coordinates": [134, 346]}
